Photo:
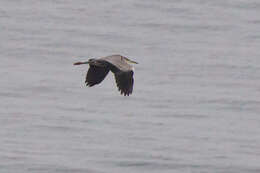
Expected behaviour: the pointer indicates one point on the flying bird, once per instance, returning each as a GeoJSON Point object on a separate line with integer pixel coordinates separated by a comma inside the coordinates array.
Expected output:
{"type": "Point", "coordinates": [119, 65]}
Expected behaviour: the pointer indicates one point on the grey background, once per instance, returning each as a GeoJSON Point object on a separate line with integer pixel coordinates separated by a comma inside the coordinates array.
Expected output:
{"type": "Point", "coordinates": [196, 100]}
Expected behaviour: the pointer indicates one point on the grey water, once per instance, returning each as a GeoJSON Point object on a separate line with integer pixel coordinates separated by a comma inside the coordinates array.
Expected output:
{"type": "Point", "coordinates": [196, 100]}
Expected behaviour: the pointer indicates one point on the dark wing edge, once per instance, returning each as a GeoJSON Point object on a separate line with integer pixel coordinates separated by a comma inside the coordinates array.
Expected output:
{"type": "Point", "coordinates": [125, 82]}
{"type": "Point", "coordinates": [95, 75]}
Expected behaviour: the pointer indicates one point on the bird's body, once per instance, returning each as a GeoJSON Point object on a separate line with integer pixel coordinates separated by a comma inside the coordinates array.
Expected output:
{"type": "Point", "coordinates": [99, 68]}
{"type": "Point", "coordinates": [118, 61]}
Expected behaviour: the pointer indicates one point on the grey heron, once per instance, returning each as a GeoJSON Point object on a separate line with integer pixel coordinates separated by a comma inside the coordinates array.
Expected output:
{"type": "Point", "coordinates": [119, 65]}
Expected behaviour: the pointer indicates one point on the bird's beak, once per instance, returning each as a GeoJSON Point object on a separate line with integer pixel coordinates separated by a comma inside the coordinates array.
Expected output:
{"type": "Point", "coordinates": [79, 63]}
{"type": "Point", "coordinates": [133, 62]}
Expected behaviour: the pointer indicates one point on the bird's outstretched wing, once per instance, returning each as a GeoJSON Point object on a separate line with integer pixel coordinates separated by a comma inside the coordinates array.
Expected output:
{"type": "Point", "coordinates": [125, 82]}
{"type": "Point", "coordinates": [96, 75]}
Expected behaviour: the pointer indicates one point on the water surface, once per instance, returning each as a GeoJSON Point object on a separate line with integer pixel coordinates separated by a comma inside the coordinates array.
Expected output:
{"type": "Point", "coordinates": [195, 106]}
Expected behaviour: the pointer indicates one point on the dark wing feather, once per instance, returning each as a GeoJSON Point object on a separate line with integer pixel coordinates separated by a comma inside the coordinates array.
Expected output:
{"type": "Point", "coordinates": [96, 75]}
{"type": "Point", "coordinates": [125, 82]}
